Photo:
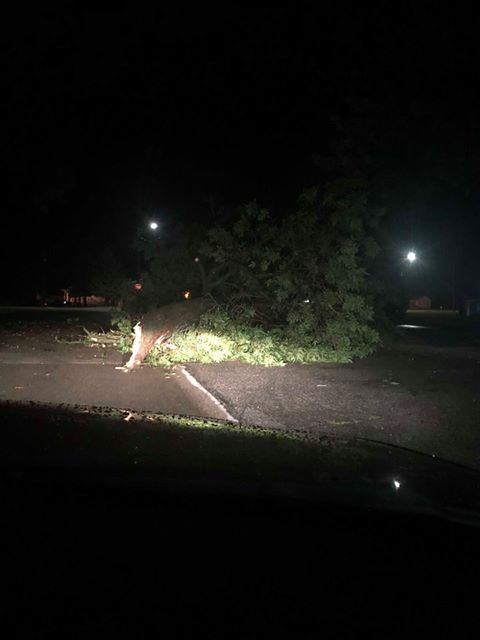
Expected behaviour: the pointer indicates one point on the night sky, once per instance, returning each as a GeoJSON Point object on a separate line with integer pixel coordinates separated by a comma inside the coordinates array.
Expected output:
{"type": "Point", "coordinates": [111, 113]}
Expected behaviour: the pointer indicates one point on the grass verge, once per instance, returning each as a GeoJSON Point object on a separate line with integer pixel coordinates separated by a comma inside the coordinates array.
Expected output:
{"type": "Point", "coordinates": [51, 436]}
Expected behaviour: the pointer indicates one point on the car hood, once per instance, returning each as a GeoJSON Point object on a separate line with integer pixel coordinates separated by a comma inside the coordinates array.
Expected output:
{"type": "Point", "coordinates": [90, 448]}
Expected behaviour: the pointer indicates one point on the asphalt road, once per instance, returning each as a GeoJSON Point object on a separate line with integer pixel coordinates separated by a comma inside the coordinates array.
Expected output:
{"type": "Point", "coordinates": [422, 391]}
{"type": "Point", "coordinates": [42, 360]}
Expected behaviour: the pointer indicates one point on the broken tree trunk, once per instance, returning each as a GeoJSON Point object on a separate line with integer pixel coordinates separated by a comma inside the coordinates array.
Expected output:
{"type": "Point", "coordinates": [158, 326]}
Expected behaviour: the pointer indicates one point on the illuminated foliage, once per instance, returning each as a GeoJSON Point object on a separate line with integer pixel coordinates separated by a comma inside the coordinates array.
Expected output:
{"type": "Point", "coordinates": [307, 275]}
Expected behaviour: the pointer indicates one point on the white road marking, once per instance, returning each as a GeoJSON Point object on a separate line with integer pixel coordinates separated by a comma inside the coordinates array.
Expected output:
{"type": "Point", "coordinates": [194, 382]}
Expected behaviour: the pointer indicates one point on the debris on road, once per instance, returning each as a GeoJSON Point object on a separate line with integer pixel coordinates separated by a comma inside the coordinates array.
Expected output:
{"type": "Point", "coordinates": [111, 338]}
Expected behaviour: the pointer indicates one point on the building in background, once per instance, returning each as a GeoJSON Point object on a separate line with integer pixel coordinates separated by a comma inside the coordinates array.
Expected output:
{"type": "Point", "coordinates": [67, 297]}
{"type": "Point", "coordinates": [424, 302]}
{"type": "Point", "coordinates": [472, 307]}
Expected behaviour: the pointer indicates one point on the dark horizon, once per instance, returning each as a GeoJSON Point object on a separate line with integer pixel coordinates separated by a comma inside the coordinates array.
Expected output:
{"type": "Point", "coordinates": [112, 113]}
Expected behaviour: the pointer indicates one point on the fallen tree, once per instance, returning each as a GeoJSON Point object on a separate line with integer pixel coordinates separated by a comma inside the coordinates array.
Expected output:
{"type": "Point", "coordinates": [158, 325]}
{"type": "Point", "coordinates": [294, 290]}
{"type": "Point", "coordinates": [308, 274]}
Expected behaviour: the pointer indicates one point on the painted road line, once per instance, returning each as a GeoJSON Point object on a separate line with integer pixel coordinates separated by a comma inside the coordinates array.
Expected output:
{"type": "Point", "coordinates": [194, 382]}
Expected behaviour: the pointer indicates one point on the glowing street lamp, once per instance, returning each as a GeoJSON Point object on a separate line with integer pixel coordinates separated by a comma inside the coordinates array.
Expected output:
{"type": "Point", "coordinates": [411, 256]}
{"type": "Point", "coordinates": [148, 239]}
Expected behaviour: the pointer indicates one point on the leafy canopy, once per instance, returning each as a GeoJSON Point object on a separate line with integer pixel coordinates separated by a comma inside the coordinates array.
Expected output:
{"type": "Point", "coordinates": [306, 275]}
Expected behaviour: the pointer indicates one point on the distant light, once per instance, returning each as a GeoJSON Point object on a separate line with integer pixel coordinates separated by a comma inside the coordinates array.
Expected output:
{"type": "Point", "coordinates": [138, 286]}
{"type": "Point", "coordinates": [197, 259]}
{"type": "Point", "coordinates": [307, 301]}
{"type": "Point", "coordinates": [186, 295]}
{"type": "Point", "coordinates": [411, 256]}
{"type": "Point", "coordinates": [153, 226]}
{"type": "Point", "coordinates": [396, 484]}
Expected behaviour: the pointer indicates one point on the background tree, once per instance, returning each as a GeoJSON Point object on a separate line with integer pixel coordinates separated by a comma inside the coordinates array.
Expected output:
{"type": "Point", "coordinates": [166, 266]}
{"type": "Point", "coordinates": [107, 277]}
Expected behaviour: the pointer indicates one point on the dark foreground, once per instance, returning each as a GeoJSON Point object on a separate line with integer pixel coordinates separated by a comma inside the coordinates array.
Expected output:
{"type": "Point", "coordinates": [115, 522]}
{"type": "Point", "coordinates": [159, 529]}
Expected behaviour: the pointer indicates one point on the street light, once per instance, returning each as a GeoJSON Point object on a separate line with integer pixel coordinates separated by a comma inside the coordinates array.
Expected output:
{"type": "Point", "coordinates": [148, 239]}
{"type": "Point", "coordinates": [411, 256]}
